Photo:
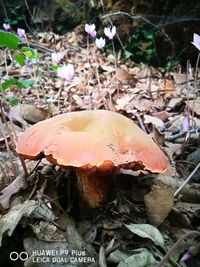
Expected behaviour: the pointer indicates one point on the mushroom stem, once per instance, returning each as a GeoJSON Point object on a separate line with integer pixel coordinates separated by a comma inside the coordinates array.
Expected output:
{"type": "Point", "coordinates": [93, 187]}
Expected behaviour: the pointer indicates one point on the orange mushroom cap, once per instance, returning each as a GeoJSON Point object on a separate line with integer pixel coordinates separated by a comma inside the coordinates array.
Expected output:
{"type": "Point", "coordinates": [97, 138]}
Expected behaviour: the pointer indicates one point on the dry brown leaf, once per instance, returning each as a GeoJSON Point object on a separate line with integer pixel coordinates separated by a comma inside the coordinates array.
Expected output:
{"type": "Point", "coordinates": [124, 77]}
{"type": "Point", "coordinates": [181, 78]}
{"type": "Point", "coordinates": [33, 114]}
{"type": "Point", "coordinates": [143, 104]}
{"type": "Point", "coordinates": [122, 102]}
{"type": "Point", "coordinates": [10, 190]}
{"type": "Point", "coordinates": [108, 68]}
{"type": "Point", "coordinates": [189, 193]}
{"type": "Point", "coordinates": [194, 105]}
{"type": "Point", "coordinates": [158, 123]}
{"type": "Point", "coordinates": [174, 102]}
{"type": "Point", "coordinates": [173, 149]}
{"type": "Point", "coordinates": [112, 224]}
{"type": "Point", "coordinates": [179, 219]}
{"type": "Point", "coordinates": [159, 203]}
{"type": "Point", "coordinates": [162, 115]}
{"type": "Point", "coordinates": [169, 89]}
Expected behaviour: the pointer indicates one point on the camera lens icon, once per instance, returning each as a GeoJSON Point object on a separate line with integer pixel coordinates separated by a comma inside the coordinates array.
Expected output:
{"type": "Point", "coordinates": [14, 256]}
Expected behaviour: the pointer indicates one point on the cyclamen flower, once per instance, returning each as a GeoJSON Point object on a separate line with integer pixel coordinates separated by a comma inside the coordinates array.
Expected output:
{"type": "Point", "coordinates": [89, 28]}
{"type": "Point", "coordinates": [56, 58]}
{"type": "Point", "coordinates": [30, 62]}
{"type": "Point", "coordinates": [66, 72]}
{"type": "Point", "coordinates": [110, 32]}
{"type": "Point", "coordinates": [186, 123]}
{"type": "Point", "coordinates": [6, 26]}
{"type": "Point", "coordinates": [186, 256]}
{"type": "Point", "coordinates": [21, 32]}
{"type": "Point", "coordinates": [196, 41]}
{"type": "Point", "coordinates": [100, 43]}
{"type": "Point", "coordinates": [93, 34]}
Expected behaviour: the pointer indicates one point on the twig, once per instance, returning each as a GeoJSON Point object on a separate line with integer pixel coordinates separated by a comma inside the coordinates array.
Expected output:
{"type": "Point", "coordinates": [4, 10]}
{"type": "Point", "coordinates": [174, 247]}
{"type": "Point", "coordinates": [175, 136]}
{"type": "Point", "coordinates": [40, 47]}
{"type": "Point", "coordinates": [31, 15]}
{"type": "Point", "coordinates": [142, 18]}
{"type": "Point", "coordinates": [140, 122]}
{"type": "Point", "coordinates": [186, 181]}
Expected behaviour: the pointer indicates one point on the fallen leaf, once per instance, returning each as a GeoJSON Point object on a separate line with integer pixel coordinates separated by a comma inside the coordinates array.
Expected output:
{"type": "Point", "coordinates": [194, 105]}
{"type": "Point", "coordinates": [169, 89]}
{"type": "Point", "coordinates": [174, 102]}
{"type": "Point", "coordinates": [140, 258]}
{"type": "Point", "coordinates": [32, 114]}
{"type": "Point", "coordinates": [45, 230]}
{"type": "Point", "coordinates": [146, 231]}
{"type": "Point", "coordinates": [159, 202]}
{"type": "Point", "coordinates": [112, 224]}
{"type": "Point", "coordinates": [102, 257]}
{"type": "Point", "coordinates": [142, 104]}
{"type": "Point", "coordinates": [117, 256]}
{"type": "Point", "coordinates": [10, 190]}
{"type": "Point", "coordinates": [173, 149]}
{"type": "Point", "coordinates": [9, 221]}
{"type": "Point", "coordinates": [124, 77]}
{"type": "Point", "coordinates": [158, 123]}
{"type": "Point", "coordinates": [162, 115]}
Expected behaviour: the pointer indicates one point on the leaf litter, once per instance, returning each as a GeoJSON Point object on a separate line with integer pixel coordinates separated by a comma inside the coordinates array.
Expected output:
{"type": "Point", "coordinates": [139, 204]}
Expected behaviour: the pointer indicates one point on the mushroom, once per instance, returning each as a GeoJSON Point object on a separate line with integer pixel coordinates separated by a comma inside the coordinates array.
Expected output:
{"type": "Point", "coordinates": [95, 143]}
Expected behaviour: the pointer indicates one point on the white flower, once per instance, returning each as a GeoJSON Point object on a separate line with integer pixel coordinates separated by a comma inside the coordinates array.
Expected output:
{"type": "Point", "coordinates": [110, 32]}
{"type": "Point", "coordinates": [6, 26]}
{"type": "Point", "coordinates": [89, 28]}
{"type": "Point", "coordinates": [100, 43]}
{"type": "Point", "coordinates": [196, 41]}
{"type": "Point", "coordinates": [66, 72]}
{"type": "Point", "coordinates": [56, 58]}
{"type": "Point", "coordinates": [21, 32]}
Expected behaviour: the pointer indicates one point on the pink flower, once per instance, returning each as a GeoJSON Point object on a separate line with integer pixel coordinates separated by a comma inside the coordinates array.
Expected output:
{"type": "Point", "coordinates": [93, 34]}
{"type": "Point", "coordinates": [186, 256]}
{"type": "Point", "coordinates": [6, 26]}
{"type": "Point", "coordinates": [89, 28]}
{"type": "Point", "coordinates": [56, 58]}
{"type": "Point", "coordinates": [66, 72]}
{"type": "Point", "coordinates": [100, 43]}
{"type": "Point", "coordinates": [186, 122]}
{"type": "Point", "coordinates": [196, 41]}
{"type": "Point", "coordinates": [21, 32]}
{"type": "Point", "coordinates": [110, 32]}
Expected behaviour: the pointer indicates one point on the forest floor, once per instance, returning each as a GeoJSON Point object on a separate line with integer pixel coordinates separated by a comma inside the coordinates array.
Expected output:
{"type": "Point", "coordinates": [143, 217]}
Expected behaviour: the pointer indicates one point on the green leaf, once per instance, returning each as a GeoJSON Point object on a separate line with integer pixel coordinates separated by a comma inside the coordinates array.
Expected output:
{"type": "Point", "coordinates": [13, 101]}
{"type": "Point", "coordinates": [172, 63]}
{"type": "Point", "coordinates": [54, 67]}
{"type": "Point", "coordinates": [19, 58]}
{"type": "Point", "coordinates": [149, 51]}
{"type": "Point", "coordinates": [127, 54]}
{"type": "Point", "coordinates": [5, 85]}
{"type": "Point", "coordinates": [149, 36]}
{"type": "Point", "coordinates": [9, 40]}
{"type": "Point", "coordinates": [24, 83]}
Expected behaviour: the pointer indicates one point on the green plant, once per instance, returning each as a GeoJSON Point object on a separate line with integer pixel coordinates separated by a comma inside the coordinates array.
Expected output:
{"type": "Point", "coordinates": [10, 41]}
{"type": "Point", "coordinates": [141, 46]}
{"type": "Point", "coordinates": [15, 14]}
